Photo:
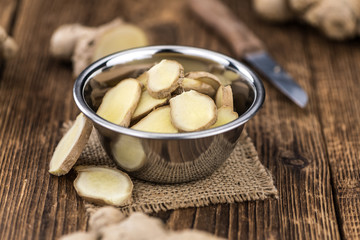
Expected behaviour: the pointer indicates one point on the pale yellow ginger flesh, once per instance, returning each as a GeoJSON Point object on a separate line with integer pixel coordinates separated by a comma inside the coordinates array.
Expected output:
{"type": "Point", "coordinates": [122, 37]}
{"type": "Point", "coordinates": [128, 152]}
{"type": "Point", "coordinates": [158, 121]}
{"type": "Point", "coordinates": [103, 185]}
{"type": "Point", "coordinates": [224, 97]}
{"type": "Point", "coordinates": [164, 78]}
{"type": "Point", "coordinates": [191, 84]}
{"type": "Point", "coordinates": [146, 104]}
{"type": "Point", "coordinates": [205, 77]}
{"type": "Point", "coordinates": [120, 102]}
{"type": "Point", "coordinates": [70, 146]}
{"type": "Point", "coordinates": [225, 114]}
{"type": "Point", "coordinates": [192, 111]}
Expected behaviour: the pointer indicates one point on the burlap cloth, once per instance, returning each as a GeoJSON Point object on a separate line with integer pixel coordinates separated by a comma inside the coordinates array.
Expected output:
{"type": "Point", "coordinates": [241, 178]}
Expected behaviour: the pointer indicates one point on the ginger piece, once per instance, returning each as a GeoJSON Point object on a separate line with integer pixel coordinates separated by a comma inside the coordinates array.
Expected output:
{"type": "Point", "coordinates": [137, 226]}
{"type": "Point", "coordinates": [273, 10]}
{"type": "Point", "coordinates": [120, 102]}
{"type": "Point", "coordinates": [8, 46]}
{"type": "Point", "coordinates": [83, 45]}
{"type": "Point", "coordinates": [159, 121]}
{"type": "Point", "coordinates": [224, 97]}
{"type": "Point", "coordinates": [146, 104]}
{"type": "Point", "coordinates": [225, 114]}
{"type": "Point", "coordinates": [70, 146]}
{"type": "Point", "coordinates": [117, 39]}
{"type": "Point", "coordinates": [103, 185]}
{"type": "Point", "coordinates": [128, 152]}
{"type": "Point", "coordinates": [105, 216]}
{"type": "Point", "coordinates": [191, 84]}
{"type": "Point", "coordinates": [205, 77]}
{"type": "Point", "coordinates": [192, 111]}
{"type": "Point", "coordinates": [336, 19]}
{"type": "Point", "coordinates": [64, 38]}
{"type": "Point", "coordinates": [143, 79]}
{"type": "Point", "coordinates": [164, 78]}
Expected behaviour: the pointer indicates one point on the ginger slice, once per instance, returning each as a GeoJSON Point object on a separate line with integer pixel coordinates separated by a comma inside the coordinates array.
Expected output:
{"type": "Point", "coordinates": [192, 111]}
{"type": "Point", "coordinates": [205, 77]}
{"type": "Point", "coordinates": [103, 185]}
{"type": "Point", "coordinates": [128, 152]}
{"type": "Point", "coordinates": [119, 38]}
{"type": "Point", "coordinates": [146, 104]}
{"type": "Point", "coordinates": [120, 102]}
{"type": "Point", "coordinates": [158, 121]}
{"type": "Point", "coordinates": [224, 97]}
{"type": "Point", "coordinates": [225, 114]}
{"type": "Point", "coordinates": [164, 78]}
{"type": "Point", "coordinates": [191, 84]}
{"type": "Point", "coordinates": [70, 146]}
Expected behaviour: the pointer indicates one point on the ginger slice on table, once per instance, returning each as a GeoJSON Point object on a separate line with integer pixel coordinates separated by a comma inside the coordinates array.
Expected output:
{"type": "Point", "coordinates": [191, 84]}
{"type": "Point", "coordinates": [224, 97]}
{"type": "Point", "coordinates": [70, 146]}
{"type": "Point", "coordinates": [192, 111]}
{"type": "Point", "coordinates": [225, 114]}
{"type": "Point", "coordinates": [205, 77]}
{"type": "Point", "coordinates": [159, 121]}
{"type": "Point", "coordinates": [146, 104]}
{"type": "Point", "coordinates": [103, 185]}
{"type": "Point", "coordinates": [164, 78]}
{"type": "Point", "coordinates": [120, 102]}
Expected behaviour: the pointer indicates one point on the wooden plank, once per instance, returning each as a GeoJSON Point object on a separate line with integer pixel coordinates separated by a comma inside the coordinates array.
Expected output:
{"type": "Point", "coordinates": [290, 143]}
{"type": "Point", "coordinates": [336, 79]}
{"type": "Point", "coordinates": [8, 9]}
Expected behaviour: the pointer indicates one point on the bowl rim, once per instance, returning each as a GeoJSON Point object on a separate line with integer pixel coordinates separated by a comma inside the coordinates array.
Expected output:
{"type": "Point", "coordinates": [146, 52]}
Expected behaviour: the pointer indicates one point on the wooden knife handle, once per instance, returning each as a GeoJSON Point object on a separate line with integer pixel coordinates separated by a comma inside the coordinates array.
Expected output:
{"type": "Point", "coordinates": [217, 16]}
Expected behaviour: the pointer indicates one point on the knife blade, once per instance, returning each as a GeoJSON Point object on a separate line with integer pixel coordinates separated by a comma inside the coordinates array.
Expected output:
{"type": "Point", "coordinates": [247, 46]}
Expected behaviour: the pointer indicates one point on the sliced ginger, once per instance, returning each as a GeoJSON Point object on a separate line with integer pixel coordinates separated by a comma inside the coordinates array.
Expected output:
{"type": "Point", "coordinates": [146, 104]}
{"type": "Point", "coordinates": [120, 102]}
{"type": "Point", "coordinates": [158, 121]}
{"type": "Point", "coordinates": [224, 97]}
{"type": "Point", "coordinates": [119, 38]}
{"type": "Point", "coordinates": [205, 77]}
{"type": "Point", "coordinates": [225, 114]}
{"type": "Point", "coordinates": [192, 111]}
{"type": "Point", "coordinates": [191, 84]}
{"type": "Point", "coordinates": [70, 146]}
{"type": "Point", "coordinates": [128, 152]}
{"type": "Point", "coordinates": [103, 185]}
{"type": "Point", "coordinates": [164, 78]}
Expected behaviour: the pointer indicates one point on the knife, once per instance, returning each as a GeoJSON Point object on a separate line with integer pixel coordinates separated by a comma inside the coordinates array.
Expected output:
{"type": "Point", "coordinates": [247, 46]}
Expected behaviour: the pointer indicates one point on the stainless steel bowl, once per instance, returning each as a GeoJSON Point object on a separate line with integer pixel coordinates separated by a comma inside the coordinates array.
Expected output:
{"type": "Point", "coordinates": [168, 158]}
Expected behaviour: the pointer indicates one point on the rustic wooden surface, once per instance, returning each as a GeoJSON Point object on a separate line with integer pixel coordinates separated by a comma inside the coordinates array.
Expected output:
{"type": "Point", "coordinates": [313, 153]}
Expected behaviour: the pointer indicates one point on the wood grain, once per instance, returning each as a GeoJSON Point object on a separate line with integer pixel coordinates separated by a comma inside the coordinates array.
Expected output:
{"type": "Point", "coordinates": [313, 153]}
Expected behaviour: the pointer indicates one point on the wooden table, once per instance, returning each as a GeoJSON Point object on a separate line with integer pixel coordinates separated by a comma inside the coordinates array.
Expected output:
{"type": "Point", "coordinates": [313, 153]}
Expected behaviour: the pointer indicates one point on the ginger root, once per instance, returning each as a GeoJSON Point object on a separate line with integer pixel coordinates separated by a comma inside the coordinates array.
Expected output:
{"type": "Point", "coordinates": [336, 19]}
{"type": "Point", "coordinates": [8, 46]}
{"type": "Point", "coordinates": [110, 224]}
{"type": "Point", "coordinates": [84, 45]}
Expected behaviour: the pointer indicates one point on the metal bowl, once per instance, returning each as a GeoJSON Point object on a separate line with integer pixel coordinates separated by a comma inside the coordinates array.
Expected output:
{"type": "Point", "coordinates": [162, 157]}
